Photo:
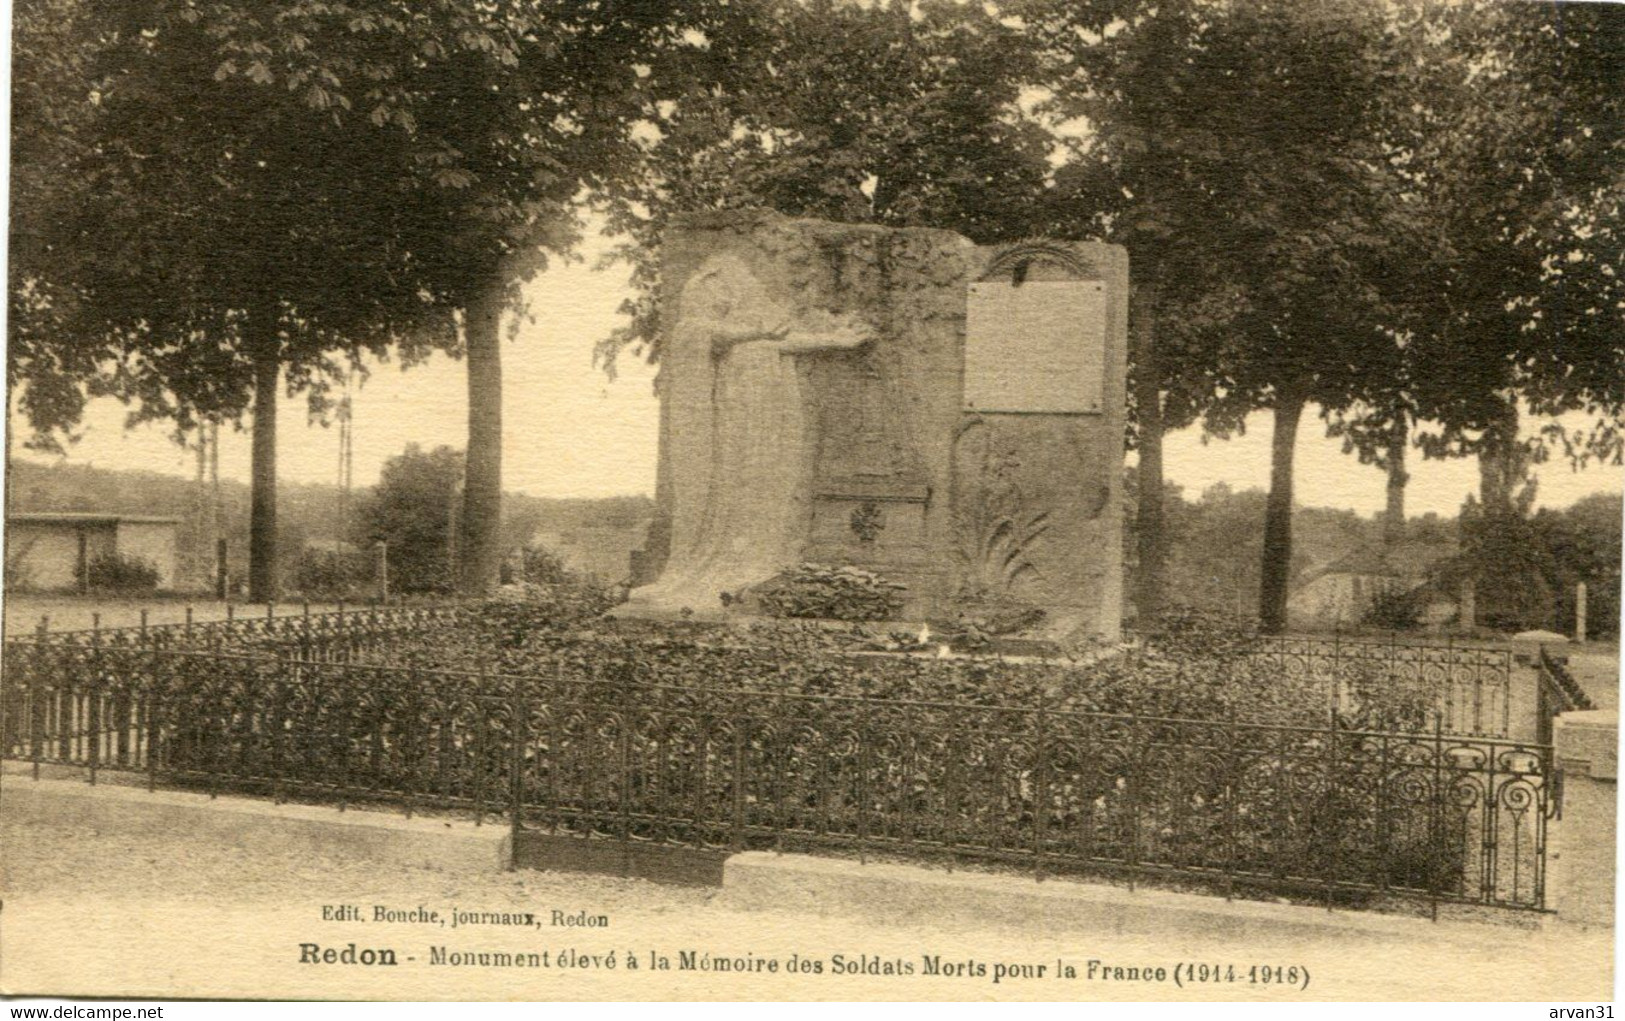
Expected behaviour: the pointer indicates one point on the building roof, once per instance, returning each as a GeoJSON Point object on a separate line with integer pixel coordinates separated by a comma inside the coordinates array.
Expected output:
{"type": "Point", "coordinates": [1365, 560]}
{"type": "Point", "coordinates": [84, 518]}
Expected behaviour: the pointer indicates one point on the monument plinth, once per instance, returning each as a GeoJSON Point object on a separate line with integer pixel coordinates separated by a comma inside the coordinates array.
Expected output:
{"type": "Point", "coordinates": [945, 414]}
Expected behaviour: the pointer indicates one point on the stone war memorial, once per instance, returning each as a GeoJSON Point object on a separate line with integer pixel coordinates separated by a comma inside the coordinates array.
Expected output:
{"type": "Point", "coordinates": [946, 415]}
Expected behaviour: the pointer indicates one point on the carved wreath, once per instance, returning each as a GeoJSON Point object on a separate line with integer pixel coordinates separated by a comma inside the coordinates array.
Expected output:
{"type": "Point", "coordinates": [866, 521]}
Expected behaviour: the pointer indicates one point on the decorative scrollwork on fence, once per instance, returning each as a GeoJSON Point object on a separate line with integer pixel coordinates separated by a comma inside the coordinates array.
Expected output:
{"type": "Point", "coordinates": [1351, 816]}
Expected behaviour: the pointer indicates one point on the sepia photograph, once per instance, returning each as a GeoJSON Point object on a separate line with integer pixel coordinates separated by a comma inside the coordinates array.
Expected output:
{"type": "Point", "coordinates": [812, 500]}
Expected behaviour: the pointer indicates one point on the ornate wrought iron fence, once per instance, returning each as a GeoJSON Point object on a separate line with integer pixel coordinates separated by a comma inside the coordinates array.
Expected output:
{"type": "Point", "coordinates": [1470, 685]}
{"type": "Point", "coordinates": [1467, 688]}
{"type": "Point", "coordinates": [1352, 816]}
{"type": "Point", "coordinates": [1558, 692]}
{"type": "Point", "coordinates": [342, 634]}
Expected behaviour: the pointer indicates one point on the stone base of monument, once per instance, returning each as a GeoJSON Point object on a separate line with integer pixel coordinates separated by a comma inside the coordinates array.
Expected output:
{"type": "Point", "coordinates": [917, 637]}
{"type": "Point", "coordinates": [649, 611]}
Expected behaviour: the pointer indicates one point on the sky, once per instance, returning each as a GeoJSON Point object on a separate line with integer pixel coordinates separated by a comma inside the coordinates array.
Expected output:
{"type": "Point", "coordinates": [569, 431]}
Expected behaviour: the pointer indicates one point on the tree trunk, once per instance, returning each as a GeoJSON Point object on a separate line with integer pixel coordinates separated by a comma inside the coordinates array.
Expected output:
{"type": "Point", "coordinates": [1502, 465]}
{"type": "Point", "coordinates": [1276, 573]}
{"type": "Point", "coordinates": [1393, 522]}
{"type": "Point", "coordinates": [1149, 522]}
{"type": "Point", "coordinates": [202, 551]}
{"type": "Point", "coordinates": [217, 520]}
{"type": "Point", "coordinates": [265, 344]}
{"type": "Point", "coordinates": [479, 546]}
{"type": "Point", "coordinates": [11, 398]}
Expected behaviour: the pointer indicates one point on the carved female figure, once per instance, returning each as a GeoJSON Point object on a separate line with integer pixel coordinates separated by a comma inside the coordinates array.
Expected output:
{"type": "Point", "coordinates": [745, 519]}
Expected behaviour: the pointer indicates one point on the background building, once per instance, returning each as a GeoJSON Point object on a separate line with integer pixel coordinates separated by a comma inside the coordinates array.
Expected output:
{"type": "Point", "coordinates": [53, 550]}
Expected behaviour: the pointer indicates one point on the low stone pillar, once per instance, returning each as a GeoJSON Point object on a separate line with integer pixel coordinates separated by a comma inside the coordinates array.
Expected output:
{"type": "Point", "coordinates": [1580, 612]}
{"type": "Point", "coordinates": [1580, 844]}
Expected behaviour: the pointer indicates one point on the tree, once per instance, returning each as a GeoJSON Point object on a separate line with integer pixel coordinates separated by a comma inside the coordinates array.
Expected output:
{"type": "Point", "coordinates": [1234, 152]}
{"type": "Point", "coordinates": [233, 224]}
{"type": "Point", "coordinates": [411, 512]}
{"type": "Point", "coordinates": [541, 111]}
{"type": "Point", "coordinates": [1512, 141]}
{"type": "Point", "coordinates": [1126, 71]}
{"type": "Point", "coordinates": [281, 190]}
{"type": "Point", "coordinates": [50, 103]}
{"type": "Point", "coordinates": [1515, 163]}
{"type": "Point", "coordinates": [903, 114]}
{"type": "Point", "coordinates": [1582, 544]}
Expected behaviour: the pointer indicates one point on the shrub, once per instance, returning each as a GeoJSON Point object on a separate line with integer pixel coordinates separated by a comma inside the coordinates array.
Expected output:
{"type": "Point", "coordinates": [121, 574]}
{"type": "Point", "coordinates": [1393, 609]}
{"type": "Point", "coordinates": [327, 574]}
{"type": "Point", "coordinates": [540, 566]}
{"type": "Point", "coordinates": [832, 593]}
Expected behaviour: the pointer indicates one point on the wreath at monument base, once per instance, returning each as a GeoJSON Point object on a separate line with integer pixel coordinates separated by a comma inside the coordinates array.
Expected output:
{"type": "Point", "coordinates": [830, 593]}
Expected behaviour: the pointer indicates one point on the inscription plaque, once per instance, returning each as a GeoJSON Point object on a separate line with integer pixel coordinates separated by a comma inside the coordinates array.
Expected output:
{"type": "Point", "coordinates": [1039, 347]}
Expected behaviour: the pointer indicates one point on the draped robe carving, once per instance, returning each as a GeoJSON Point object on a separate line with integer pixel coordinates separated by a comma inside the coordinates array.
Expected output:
{"type": "Point", "coordinates": [754, 484]}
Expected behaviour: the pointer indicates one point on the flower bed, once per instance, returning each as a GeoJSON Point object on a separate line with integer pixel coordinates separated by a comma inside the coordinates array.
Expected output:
{"type": "Point", "coordinates": [1189, 672]}
{"type": "Point", "coordinates": [1185, 755]}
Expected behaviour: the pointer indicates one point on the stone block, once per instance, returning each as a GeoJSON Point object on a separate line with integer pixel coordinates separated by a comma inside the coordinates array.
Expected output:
{"type": "Point", "coordinates": [1580, 846]}
{"type": "Point", "coordinates": [947, 415]}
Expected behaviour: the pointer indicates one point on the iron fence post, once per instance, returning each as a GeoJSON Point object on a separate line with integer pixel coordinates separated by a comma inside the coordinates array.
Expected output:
{"type": "Point", "coordinates": [516, 778]}
{"type": "Point", "coordinates": [863, 776]}
{"type": "Point", "coordinates": [1131, 780]}
{"type": "Point", "coordinates": [911, 742]}
{"type": "Point", "coordinates": [1040, 789]}
{"type": "Point", "coordinates": [1327, 875]}
{"type": "Point", "coordinates": [1232, 786]}
{"type": "Point", "coordinates": [1384, 852]}
{"type": "Point", "coordinates": [736, 840]}
{"type": "Point", "coordinates": [1450, 677]}
{"type": "Point", "coordinates": [155, 724]}
{"type": "Point", "coordinates": [624, 764]}
{"type": "Point", "coordinates": [554, 812]}
{"type": "Point", "coordinates": [778, 757]}
{"type": "Point", "coordinates": [482, 740]}
{"type": "Point", "coordinates": [1436, 837]}
{"type": "Point", "coordinates": [39, 709]}
{"type": "Point", "coordinates": [93, 713]}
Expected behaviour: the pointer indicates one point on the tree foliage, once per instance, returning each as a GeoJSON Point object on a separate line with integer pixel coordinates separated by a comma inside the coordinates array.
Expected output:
{"type": "Point", "coordinates": [902, 114]}
{"type": "Point", "coordinates": [411, 510]}
{"type": "Point", "coordinates": [259, 188]}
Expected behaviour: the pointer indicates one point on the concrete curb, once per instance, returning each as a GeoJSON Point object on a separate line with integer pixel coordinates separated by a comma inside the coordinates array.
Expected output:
{"type": "Point", "coordinates": [886, 893]}
{"type": "Point", "coordinates": [441, 844]}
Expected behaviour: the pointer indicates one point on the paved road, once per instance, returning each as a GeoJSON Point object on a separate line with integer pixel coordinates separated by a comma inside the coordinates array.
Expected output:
{"type": "Point", "coordinates": [102, 913]}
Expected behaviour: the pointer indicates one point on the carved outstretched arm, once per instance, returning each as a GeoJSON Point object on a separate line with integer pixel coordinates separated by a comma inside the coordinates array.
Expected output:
{"type": "Point", "coordinates": [826, 332]}
{"type": "Point", "coordinates": [819, 332]}
{"type": "Point", "coordinates": [742, 329]}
